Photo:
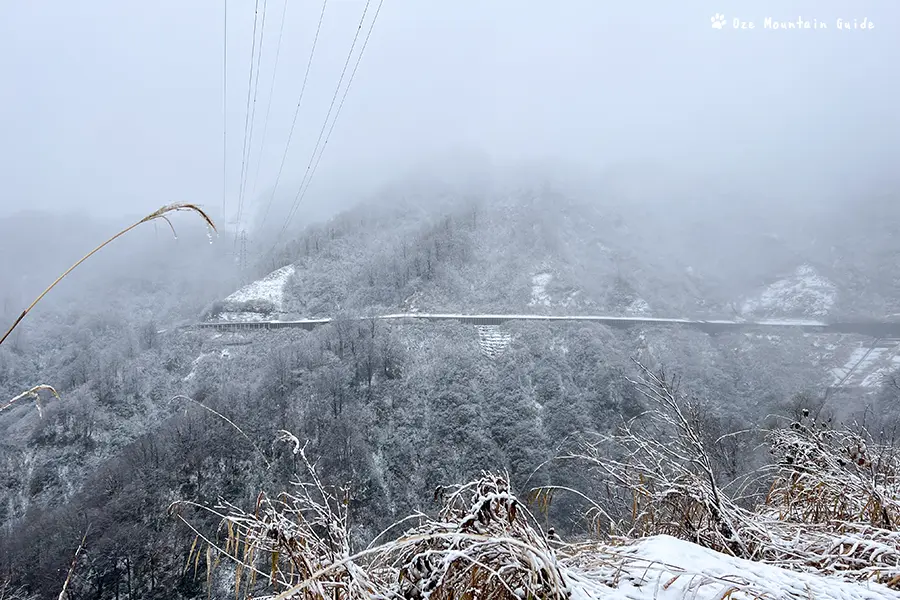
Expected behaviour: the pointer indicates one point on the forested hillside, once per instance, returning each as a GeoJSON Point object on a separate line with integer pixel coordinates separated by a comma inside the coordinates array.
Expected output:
{"type": "Point", "coordinates": [546, 246]}
{"type": "Point", "coordinates": [151, 414]}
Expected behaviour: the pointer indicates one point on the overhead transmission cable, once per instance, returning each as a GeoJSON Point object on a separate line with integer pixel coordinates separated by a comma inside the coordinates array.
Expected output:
{"type": "Point", "coordinates": [224, 109]}
{"type": "Point", "coordinates": [262, 39]}
{"type": "Point", "coordinates": [247, 115]}
{"type": "Point", "coordinates": [340, 107]}
{"type": "Point", "coordinates": [262, 144]}
{"type": "Point", "coordinates": [307, 178]}
{"type": "Point", "coordinates": [296, 112]}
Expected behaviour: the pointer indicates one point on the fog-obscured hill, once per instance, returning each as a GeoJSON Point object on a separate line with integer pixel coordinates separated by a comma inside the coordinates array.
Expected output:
{"type": "Point", "coordinates": [536, 249]}
{"type": "Point", "coordinates": [611, 245]}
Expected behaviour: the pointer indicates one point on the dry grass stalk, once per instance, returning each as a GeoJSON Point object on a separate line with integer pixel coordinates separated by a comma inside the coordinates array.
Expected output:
{"type": "Point", "coordinates": [158, 214]}
{"type": "Point", "coordinates": [483, 544]}
{"type": "Point", "coordinates": [294, 539]}
{"type": "Point", "coordinates": [833, 506]}
{"type": "Point", "coordinates": [33, 392]}
{"type": "Point", "coordinates": [62, 594]}
{"type": "Point", "coordinates": [659, 460]}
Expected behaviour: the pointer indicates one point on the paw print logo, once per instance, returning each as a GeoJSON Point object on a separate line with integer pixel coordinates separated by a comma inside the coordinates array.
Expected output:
{"type": "Point", "coordinates": [717, 20]}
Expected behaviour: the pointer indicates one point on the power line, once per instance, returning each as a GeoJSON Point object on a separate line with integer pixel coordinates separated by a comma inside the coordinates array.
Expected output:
{"type": "Point", "coordinates": [296, 112]}
{"type": "Point", "coordinates": [224, 109]}
{"type": "Point", "coordinates": [247, 113]}
{"type": "Point", "coordinates": [337, 90]}
{"type": "Point", "coordinates": [262, 39]}
{"type": "Point", "coordinates": [262, 144]}
{"type": "Point", "coordinates": [341, 105]}
{"type": "Point", "coordinates": [301, 193]}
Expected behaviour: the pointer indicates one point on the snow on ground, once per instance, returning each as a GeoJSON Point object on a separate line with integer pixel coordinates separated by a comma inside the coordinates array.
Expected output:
{"type": "Point", "coordinates": [665, 568]}
{"type": "Point", "coordinates": [805, 291]}
{"type": "Point", "coordinates": [411, 304]}
{"type": "Point", "coordinates": [571, 300]}
{"type": "Point", "coordinates": [194, 364]}
{"type": "Point", "coordinates": [868, 365]}
{"type": "Point", "coordinates": [270, 288]}
{"type": "Point", "coordinates": [638, 306]}
{"type": "Point", "coordinates": [539, 296]}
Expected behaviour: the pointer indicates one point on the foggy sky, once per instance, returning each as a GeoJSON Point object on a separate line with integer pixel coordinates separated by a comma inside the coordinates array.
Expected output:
{"type": "Point", "coordinates": [115, 106]}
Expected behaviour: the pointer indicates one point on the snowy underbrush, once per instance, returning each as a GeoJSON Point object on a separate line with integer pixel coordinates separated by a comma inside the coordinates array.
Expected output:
{"type": "Point", "coordinates": [8, 592]}
{"type": "Point", "coordinates": [486, 544]}
{"type": "Point", "coordinates": [298, 546]}
{"type": "Point", "coordinates": [828, 504]}
{"type": "Point", "coordinates": [820, 521]}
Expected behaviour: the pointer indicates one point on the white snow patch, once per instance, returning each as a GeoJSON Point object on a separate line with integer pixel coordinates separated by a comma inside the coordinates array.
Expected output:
{"type": "Point", "coordinates": [868, 366]}
{"type": "Point", "coordinates": [411, 304]}
{"type": "Point", "coordinates": [805, 291]}
{"type": "Point", "coordinates": [666, 568]}
{"type": "Point", "coordinates": [194, 364]}
{"type": "Point", "coordinates": [539, 295]}
{"type": "Point", "coordinates": [849, 365]}
{"type": "Point", "coordinates": [865, 365]}
{"type": "Point", "coordinates": [269, 288]}
{"type": "Point", "coordinates": [571, 300]}
{"type": "Point", "coordinates": [638, 306]}
{"type": "Point", "coordinates": [873, 379]}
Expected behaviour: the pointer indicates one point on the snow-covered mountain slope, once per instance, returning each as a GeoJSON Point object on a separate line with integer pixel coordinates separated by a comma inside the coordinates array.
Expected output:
{"type": "Point", "coordinates": [258, 300]}
{"type": "Point", "coordinates": [804, 293]}
{"type": "Point", "coordinates": [545, 249]}
{"type": "Point", "coordinates": [534, 250]}
{"type": "Point", "coordinates": [666, 568]}
{"type": "Point", "coordinates": [539, 296]}
{"type": "Point", "coordinates": [550, 292]}
{"type": "Point", "coordinates": [268, 289]}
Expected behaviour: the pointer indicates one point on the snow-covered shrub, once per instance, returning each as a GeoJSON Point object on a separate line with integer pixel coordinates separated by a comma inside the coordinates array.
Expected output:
{"type": "Point", "coordinates": [484, 540]}
{"type": "Point", "coordinates": [828, 475]}
{"type": "Point", "coordinates": [299, 540]}
{"type": "Point", "coordinates": [213, 311]}
{"type": "Point", "coordinates": [484, 543]}
{"type": "Point", "coordinates": [833, 506]}
{"type": "Point", "coordinates": [661, 476]}
{"type": "Point", "coordinates": [835, 501]}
